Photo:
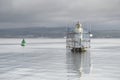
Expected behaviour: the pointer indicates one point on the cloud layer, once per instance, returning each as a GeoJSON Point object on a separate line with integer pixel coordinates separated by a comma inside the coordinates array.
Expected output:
{"type": "Point", "coordinates": [56, 13]}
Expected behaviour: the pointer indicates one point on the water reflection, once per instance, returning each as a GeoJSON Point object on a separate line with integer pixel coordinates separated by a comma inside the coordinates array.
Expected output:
{"type": "Point", "coordinates": [78, 64]}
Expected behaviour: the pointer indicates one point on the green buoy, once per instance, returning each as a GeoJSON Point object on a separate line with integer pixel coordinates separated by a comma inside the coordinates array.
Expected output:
{"type": "Point", "coordinates": [23, 43]}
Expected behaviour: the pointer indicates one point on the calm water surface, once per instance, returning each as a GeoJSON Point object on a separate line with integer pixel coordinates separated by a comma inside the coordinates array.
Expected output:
{"type": "Point", "coordinates": [47, 59]}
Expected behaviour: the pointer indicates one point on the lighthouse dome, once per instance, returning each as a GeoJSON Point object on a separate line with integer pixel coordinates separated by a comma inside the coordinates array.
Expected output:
{"type": "Point", "coordinates": [78, 28]}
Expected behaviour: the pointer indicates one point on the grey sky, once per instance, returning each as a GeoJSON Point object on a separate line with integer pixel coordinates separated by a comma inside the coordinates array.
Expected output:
{"type": "Point", "coordinates": [28, 13]}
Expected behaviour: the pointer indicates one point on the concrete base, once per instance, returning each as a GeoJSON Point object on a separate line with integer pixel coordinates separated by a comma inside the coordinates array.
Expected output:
{"type": "Point", "coordinates": [78, 50]}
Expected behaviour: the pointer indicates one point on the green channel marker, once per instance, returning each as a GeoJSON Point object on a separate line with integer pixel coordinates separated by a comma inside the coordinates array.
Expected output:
{"type": "Point", "coordinates": [23, 43]}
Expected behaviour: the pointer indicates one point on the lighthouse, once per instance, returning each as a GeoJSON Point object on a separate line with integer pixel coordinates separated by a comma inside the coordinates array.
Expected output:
{"type": "Point", "coordinates": [77, 39]}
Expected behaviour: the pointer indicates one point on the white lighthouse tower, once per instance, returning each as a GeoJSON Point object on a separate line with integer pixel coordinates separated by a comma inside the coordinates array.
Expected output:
{"type": "Point", "coordinates": [78, 39]}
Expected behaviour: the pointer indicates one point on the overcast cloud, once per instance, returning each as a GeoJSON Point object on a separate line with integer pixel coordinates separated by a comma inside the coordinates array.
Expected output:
{"type": "Point", "coordinates": [56, 13]}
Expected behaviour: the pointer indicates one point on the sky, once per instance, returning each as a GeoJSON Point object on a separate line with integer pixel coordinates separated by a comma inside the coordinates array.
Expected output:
{"type": "Point", "coordinates": [59, 13]}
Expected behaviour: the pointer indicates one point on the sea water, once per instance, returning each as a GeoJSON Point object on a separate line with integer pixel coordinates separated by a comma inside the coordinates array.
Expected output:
{"type": "Point", "coordinates": [47, 59]}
